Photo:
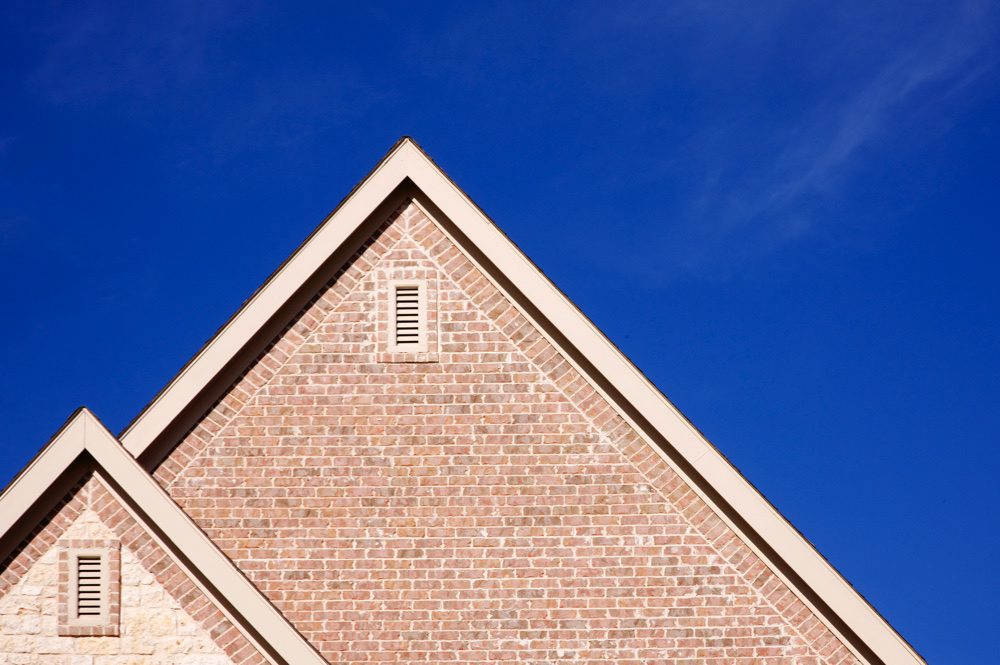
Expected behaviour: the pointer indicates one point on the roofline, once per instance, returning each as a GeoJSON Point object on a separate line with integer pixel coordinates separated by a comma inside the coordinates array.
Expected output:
{"type": "Point", "coordinates": [246, 303]}
{"type": "Point", "coordinates": [658, 421]}
{"type": "Point", "coordinates": [83, 436]}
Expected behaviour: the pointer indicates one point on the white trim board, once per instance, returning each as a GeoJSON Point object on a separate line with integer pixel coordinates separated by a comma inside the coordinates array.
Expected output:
{"type": "Point", "coordinates": [607, 366]}
{"type": "Point", "coordinates": [228, 588]}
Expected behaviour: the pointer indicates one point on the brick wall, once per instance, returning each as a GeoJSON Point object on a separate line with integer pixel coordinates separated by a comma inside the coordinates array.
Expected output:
{"type": "Point", "coordinates": [483, 505]}
{"type": "Point", "coordinates": [163, 617]}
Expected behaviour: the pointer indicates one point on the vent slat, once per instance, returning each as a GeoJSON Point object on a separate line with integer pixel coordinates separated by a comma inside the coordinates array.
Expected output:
{"type": "Point", "coordinates": [89, 578]}
{"type": "Point", "coordinates": [407, 315]}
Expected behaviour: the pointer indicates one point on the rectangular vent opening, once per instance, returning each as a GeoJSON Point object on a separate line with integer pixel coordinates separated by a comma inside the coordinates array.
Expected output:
{"type": "Point", "coordinates": [89, 576]}
{"type": "Point", "coordinates": [408, 323]}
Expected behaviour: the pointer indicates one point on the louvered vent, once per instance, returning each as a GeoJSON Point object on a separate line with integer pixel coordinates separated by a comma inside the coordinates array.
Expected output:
{"type": "Point", "coordinates": [408, 323]}
{"type": "Point", "coordinates": [89, 576]}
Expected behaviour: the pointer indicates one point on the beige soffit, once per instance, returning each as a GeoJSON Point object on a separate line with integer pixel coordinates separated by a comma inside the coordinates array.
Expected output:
{"type": "Point", "coordinates": [406, 161]}
{"type": "Point", "coordinates": [84, 433]}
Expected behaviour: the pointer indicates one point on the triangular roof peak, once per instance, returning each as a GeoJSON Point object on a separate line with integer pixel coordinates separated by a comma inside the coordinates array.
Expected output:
{"type": "Point", "coordinates": [83, 442]}
{"type": "Point", "coordinates": [408, 172]}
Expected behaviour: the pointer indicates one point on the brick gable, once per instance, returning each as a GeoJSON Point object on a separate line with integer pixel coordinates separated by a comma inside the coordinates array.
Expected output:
{"type": "Point", "coordinates": [488, 505]}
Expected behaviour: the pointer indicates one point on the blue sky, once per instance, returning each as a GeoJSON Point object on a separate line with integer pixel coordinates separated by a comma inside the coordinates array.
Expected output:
{"type": "Point", "coordinates": [785, 213]}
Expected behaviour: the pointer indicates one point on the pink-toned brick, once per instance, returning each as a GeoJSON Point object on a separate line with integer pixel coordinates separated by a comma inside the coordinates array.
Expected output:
{"type": "Point", "coordinates": [485, 506]}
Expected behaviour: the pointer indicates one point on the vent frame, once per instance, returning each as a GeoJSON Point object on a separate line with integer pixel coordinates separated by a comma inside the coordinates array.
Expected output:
{"type": "Point", "coordinates": [415, 338]}
{"type": "Point", "coordinates": [104, 558]}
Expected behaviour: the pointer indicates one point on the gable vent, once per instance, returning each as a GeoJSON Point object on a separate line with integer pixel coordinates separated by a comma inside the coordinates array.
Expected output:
{"type": "Point", "coordinates": [89, 581]}
{"type": "Point", "coordinates": [409, 323]}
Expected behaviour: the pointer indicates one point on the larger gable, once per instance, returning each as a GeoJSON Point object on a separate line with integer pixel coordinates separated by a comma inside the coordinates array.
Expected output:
{"type": "Point", "coordinates": [564, 437]}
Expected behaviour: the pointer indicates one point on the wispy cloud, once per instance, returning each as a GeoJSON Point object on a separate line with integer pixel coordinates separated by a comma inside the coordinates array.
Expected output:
{"type": "Point", "coordinates": [749, 207]}
{"type": "Point", "coordinates": [826, 146]}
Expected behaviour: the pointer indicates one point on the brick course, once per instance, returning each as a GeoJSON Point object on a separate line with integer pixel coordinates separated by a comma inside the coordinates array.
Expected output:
{"type": "Point", "coordinates": [487, 505]}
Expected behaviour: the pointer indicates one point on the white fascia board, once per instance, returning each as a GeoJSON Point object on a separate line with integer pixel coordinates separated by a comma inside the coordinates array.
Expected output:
{"type": "Point", "coordinates": [664, 416]}
{"type": "Point", "coordinates": [36, 478]}
{"type": "Point", "coordinates": [406, 160]}
{"type": "Point", "coordinates": [266, 302]}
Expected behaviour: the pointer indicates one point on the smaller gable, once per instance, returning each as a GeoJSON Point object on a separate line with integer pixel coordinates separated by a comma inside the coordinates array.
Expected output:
{"type": "Point", "coordinates": [178, 593]}
{"type": "Point", "coordinates": [153, 615]}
